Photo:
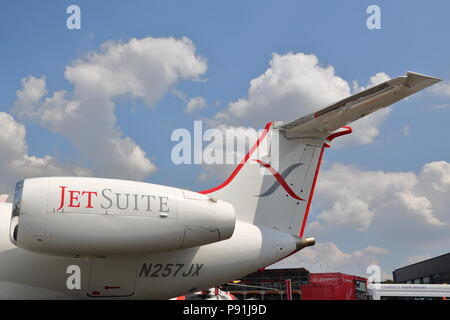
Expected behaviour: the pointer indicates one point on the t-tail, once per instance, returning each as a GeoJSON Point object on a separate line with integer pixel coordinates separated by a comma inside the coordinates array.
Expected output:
{"type": "Point", "coordinates": [274, 187]}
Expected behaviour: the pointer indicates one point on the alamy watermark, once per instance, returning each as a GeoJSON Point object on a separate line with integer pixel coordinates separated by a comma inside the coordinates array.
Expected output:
{"type": "Point", "coordinates": [374, 278]}
{"type": "Point", "coordinates": [73, 21]}
{"type": "Point", "coordinates": [74, 280]}
{"type": "Point", "coordinates": [373, 21]}
{"type": "Point", "coordinates": [226, 146]}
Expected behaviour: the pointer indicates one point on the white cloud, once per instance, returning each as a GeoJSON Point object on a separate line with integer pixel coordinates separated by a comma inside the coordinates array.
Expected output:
{"type": "Point", "coordinates": [141, 68]}
{"type": "Point", "coordinates": [354, 213]}
{"type": "Point", "coordinates": [366, 129]}
{"type": "Point", "coordinates": [228, 145]}
{"type": "Point", "coordinates": [17, 164]}
{"type": "Point", "coordinates": [437, 175]}
{"type": "Point", "coordinates": [378, 78]}
{"type": "Point", "coordinates": [419, 206]}
{"type": "Point", "coordinates": [397, 204]}
{"type": "Point", "coordinates": [441, 89]}
{"type": "Point", "coordinates": [296, 85]}
{"type": "Point", "coordinates": [404, 207]}
{"type": "Point", "coordinates": [195, 104]}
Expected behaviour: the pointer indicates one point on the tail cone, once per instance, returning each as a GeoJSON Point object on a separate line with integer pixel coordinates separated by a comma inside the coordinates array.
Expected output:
{"type": "Point", "coordinates": [303, 243]}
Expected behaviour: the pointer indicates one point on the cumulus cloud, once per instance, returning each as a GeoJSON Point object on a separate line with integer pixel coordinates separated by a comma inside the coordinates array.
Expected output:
{"type": "Point", "coordinates": [378, 78]}
{"type": "Point", "coordinates": [296, 85]}
{"type": "Point", "coordinates": [226, 147]}
{"type": "Point", "coordinates": [366, 129]}
{"type": "Point", "coordinates": [293, 85]}
{"type": "Point", "coordinates": [327, 257]}
{"type": "Point", "coordinates": [195, 104]}
{"type": "Point", "coordinates": [348, 197]}
{"type": "Point", "coordinates": [142, 69]}
{"type": "Point", "coordinates": [441, 89]}
{"type": "Point", "coordinates": [17, 164]}
{"type": "Point", "coordinates": [406, 208]}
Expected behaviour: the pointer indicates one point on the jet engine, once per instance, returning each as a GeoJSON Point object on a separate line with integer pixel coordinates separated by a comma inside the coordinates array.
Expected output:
{"type": "Point", "coordinates": [91, 216]}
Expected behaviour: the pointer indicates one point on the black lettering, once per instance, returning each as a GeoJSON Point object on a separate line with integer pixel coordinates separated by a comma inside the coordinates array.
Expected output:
{"type": "Point", "coordinates": [145, 270]}
{"type": "Point", "coordinates": [158, 268]}
{"type": "Point", "coordinates": [197, 272]}
{"type": "Point", "coordinates": [179, 265]}
{"type": "Point", "coordinates": [167, 270]}
{"type": "Point", "coordinates": [190, 270]}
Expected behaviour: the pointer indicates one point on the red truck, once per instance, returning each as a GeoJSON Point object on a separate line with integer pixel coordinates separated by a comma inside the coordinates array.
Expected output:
{"type": "Point", "coordinates": [334, 286]}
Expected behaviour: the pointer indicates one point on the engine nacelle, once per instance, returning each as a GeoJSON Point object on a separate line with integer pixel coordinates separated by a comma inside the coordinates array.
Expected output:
{"type": "Point", "coordinates": [91, 216]}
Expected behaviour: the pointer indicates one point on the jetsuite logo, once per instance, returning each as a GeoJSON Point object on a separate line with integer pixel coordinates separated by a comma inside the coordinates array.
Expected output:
{"type": "Point", "coordinates": [280, 180]}
{"type": "Point", "coordinates": [107, 199]}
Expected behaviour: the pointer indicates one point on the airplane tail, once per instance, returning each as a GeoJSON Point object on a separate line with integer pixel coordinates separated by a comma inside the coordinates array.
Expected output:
{"type": "Point", "coordinates": [274, 187]}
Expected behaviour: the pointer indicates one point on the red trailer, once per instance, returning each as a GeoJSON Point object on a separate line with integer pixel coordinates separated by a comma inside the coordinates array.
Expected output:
{"type": "Point", "coordinates": [334, 286]}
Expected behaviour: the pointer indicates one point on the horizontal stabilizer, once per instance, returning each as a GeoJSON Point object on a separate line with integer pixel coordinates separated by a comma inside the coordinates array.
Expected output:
{"type": "Point", "coordinates": [341, 113]}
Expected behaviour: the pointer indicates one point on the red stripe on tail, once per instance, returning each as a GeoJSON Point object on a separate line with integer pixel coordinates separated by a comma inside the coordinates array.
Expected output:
{"type": "Point", "coordinates": [280, 180]}
{"type": "Point", "coordinates": [241, 164]}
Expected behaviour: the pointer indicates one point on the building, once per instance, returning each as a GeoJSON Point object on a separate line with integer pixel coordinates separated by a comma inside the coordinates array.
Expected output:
{"type": "Point", "coordinates": [270, 284]}
{"type": "Point", "coordinates": [435, 270]}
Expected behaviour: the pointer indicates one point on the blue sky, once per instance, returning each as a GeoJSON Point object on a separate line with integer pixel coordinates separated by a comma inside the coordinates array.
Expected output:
{"type": "Point", "coordinates": [237, 39]}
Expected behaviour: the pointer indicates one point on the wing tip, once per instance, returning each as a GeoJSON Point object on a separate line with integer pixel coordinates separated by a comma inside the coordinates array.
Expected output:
{"type": "Point", "coordinates": [414, 77]}
{"type": "Point", "coordinates": [411, 82]}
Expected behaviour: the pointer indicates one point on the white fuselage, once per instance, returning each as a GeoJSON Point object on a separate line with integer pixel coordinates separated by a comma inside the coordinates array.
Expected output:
{"type": "Point", "coordinates": [163, 275]}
